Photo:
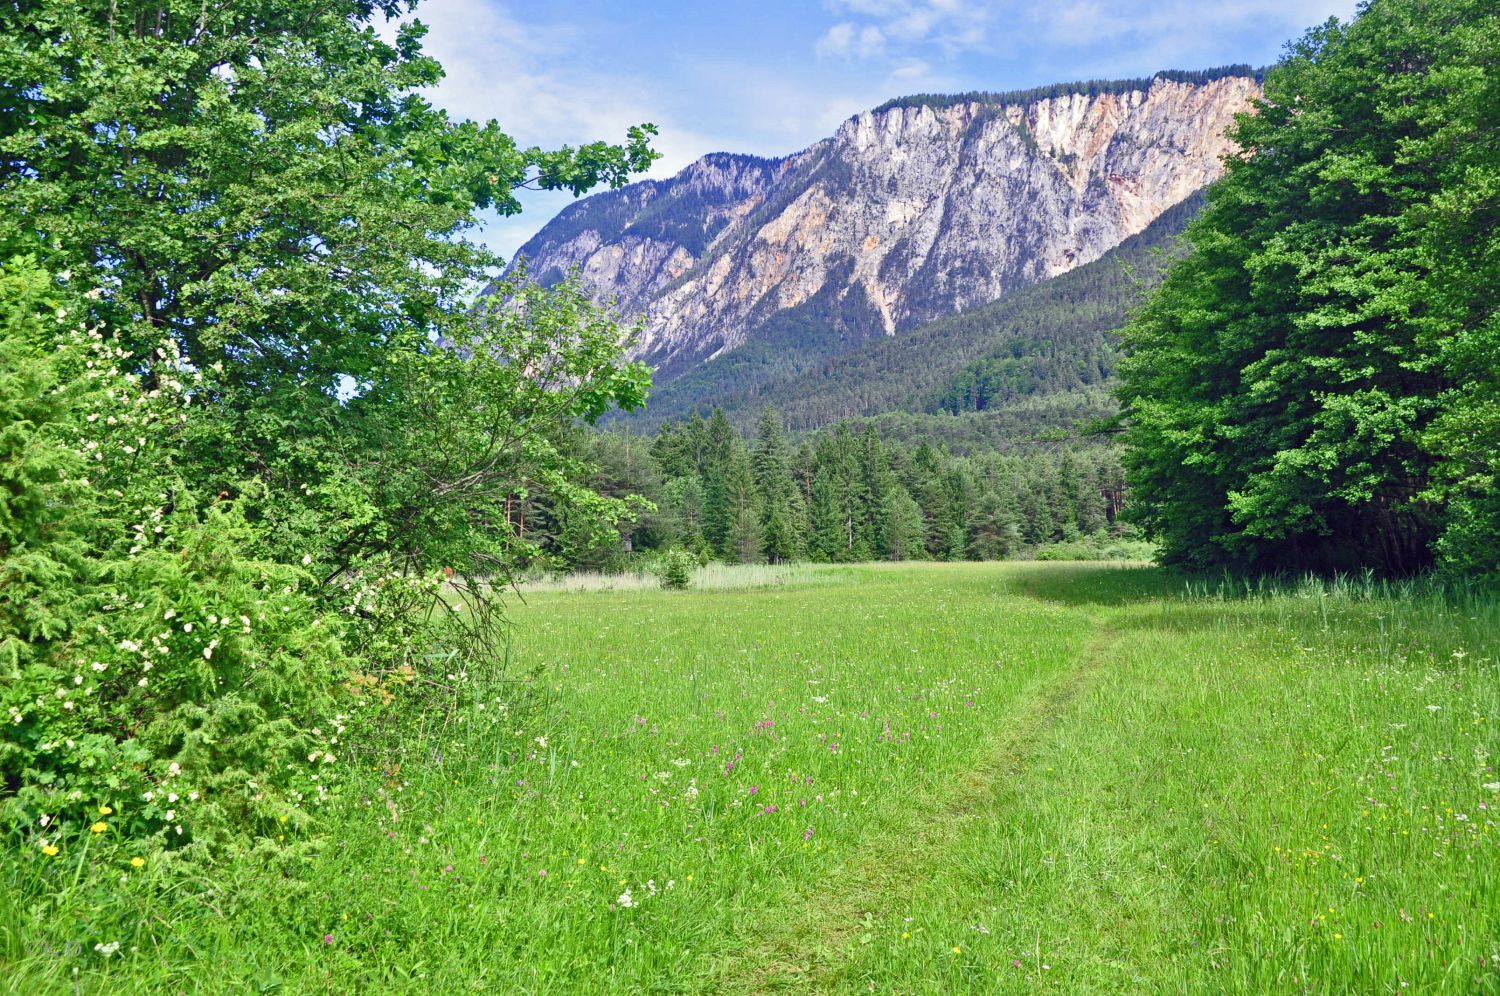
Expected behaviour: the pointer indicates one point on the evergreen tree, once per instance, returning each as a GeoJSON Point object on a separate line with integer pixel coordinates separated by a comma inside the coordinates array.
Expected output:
{"type": "Point", "coordinates": [718, 508]}
{"type": "Point", "coordinates": [904, 530]}
{"type": "Point", "coordinates": [746, 539]}
{"type": "Point", "coordinates": [774, 487]}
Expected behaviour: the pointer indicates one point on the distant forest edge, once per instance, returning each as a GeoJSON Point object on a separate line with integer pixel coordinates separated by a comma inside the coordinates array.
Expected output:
{"type": "Point", "coordinates": [855, 491]}
{"type": "Point", "coordinates": [1089, 88]}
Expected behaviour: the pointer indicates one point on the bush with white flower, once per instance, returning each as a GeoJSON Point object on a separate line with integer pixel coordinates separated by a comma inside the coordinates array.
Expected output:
{"type": "Point", "coordinates": [155, 679]}
{"type": "Point", "coordinates": [211, 604]}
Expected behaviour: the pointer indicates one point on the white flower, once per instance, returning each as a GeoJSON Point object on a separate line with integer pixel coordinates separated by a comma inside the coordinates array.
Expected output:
{"type": "Point", "coordinates": [306, 559]}
{"type": "Point", "coordinates": [187, 627]}
{"type": "Point", "coordinates": [1433, 708]}
{"type": "Point", "coordinates": [681, 762]}
{"type": "Point", "coordinates": [171, 796]}
{"type": "Point", "coordinates": [541, 741]}
{"type": "Point", "coordinates": [99, 666]}
{"type": "Point", "coordinates": [107, 949]}
{"type": "Point", "coordinates": [174, 769]}
{"type": "Point", "coordinates": [625, 899]}
{"type": "Point", "coordinates": [1492, 786]}
{"type": "Point", "coordinates": [171, 815]}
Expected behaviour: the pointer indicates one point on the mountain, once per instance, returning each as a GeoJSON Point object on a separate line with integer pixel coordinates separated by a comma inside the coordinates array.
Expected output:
{"type": "Point", "coordinates": [1054, 337]}
{"type": "Point", "coordinates": [924, 207]}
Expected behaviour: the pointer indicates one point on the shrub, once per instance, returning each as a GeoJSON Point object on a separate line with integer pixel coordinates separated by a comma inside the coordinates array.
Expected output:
{"type": "Point", "coordinates": [194, 657]}
{"type": "Point", "coordinates": [676, 569]}
{"type": "Point", "coordinates": [157, 681]}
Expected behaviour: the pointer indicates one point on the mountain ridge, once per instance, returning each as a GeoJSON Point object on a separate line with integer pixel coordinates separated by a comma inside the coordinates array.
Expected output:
{"type": "Point", "coordinates": [1054, 330]}
{"type": "Point", "coordinates": [924, 207]}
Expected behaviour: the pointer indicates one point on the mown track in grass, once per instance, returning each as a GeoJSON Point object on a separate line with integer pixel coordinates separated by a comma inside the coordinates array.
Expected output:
{"type": "Point", "coordinates": [802, 940]}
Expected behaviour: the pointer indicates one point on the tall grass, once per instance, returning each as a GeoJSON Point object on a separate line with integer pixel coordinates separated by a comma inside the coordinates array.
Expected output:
{"type": "Point", "coordinates": [711, 577]}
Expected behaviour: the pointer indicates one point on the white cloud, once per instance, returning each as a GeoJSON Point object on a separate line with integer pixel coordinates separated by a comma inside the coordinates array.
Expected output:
{"type": "Point", "coordinates": [1145, 35]}
{"type": "Point", "coordinates": [496, 67]}
{"type": "Point", "coordinates": [848, 40]}
{"type": "Point", "coordinates": [951, 25]}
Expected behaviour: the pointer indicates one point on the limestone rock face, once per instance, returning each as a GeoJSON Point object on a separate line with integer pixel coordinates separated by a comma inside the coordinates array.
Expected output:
{"type": "Point", "coordinates": [907, 213]}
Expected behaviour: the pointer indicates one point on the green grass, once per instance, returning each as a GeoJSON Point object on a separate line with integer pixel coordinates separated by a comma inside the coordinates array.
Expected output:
{"type": "Point", "coordinates": [1083, 778]}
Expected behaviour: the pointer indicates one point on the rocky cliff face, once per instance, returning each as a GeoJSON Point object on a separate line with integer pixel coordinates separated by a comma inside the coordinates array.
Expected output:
{"type": "Point", "coordinates": [922, 208]}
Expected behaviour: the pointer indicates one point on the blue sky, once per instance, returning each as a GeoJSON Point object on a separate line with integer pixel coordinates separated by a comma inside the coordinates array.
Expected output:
{"type": "Point", "coordinates": [772, 77]}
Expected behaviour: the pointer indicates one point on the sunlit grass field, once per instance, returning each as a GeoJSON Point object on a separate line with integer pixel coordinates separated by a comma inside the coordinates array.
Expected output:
{"type": "Point", "coordinates": [899, 778]}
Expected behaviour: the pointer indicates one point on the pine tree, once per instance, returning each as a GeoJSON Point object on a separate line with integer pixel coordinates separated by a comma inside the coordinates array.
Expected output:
{"type": "Point", "coordinates": [903, 526]}
{"type": "Point", "coordinates": [718, 508]}
{"type": "Point", "coordinates": [774, 487]}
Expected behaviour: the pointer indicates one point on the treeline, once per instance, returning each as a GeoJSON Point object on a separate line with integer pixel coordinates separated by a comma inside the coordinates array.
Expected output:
{"type": "Point", "coordinates": [1089, 88]}
{"type": "Point", "coordinates": [847, 493]}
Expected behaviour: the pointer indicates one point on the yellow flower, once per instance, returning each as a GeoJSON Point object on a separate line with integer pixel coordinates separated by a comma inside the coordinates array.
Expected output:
{"type": "Point", "coordinates": [105, 810]}
{"type": "Point", "coordinates": [99, 827]}
{"type": "Point", "coordinates": [50, 850]}
{"type": "Point", "coordinates": [582, 861]}
{"type": "Point", "coordinates": [957, 949]}
{"type": "Point", "coordinates": [137, 862]}
{"type": "Point", "coordinates": [905, 934]}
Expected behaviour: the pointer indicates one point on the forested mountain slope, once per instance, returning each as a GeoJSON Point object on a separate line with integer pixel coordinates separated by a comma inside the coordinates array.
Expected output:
{"type": "Point", "coordinates": [1049, 338]}
{"type": "Point", "coordinates": [925, 207]}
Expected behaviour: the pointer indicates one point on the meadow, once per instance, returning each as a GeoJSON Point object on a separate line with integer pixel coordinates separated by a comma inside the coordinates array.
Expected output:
{"type": "Point", "coordinates": [886, 778]}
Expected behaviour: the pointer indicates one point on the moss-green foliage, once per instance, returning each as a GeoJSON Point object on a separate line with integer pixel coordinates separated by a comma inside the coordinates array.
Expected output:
{"type": "Point", "coordinates": [853, 493]}
{"type": "Point", "coordinates": [1311, 387]}
{"type": "Point", "coordinates": [1464, 240]}
{"type": "Point", "coordinates": [158, 679]}
{"type": "Point", "coordinates": [676, 568]}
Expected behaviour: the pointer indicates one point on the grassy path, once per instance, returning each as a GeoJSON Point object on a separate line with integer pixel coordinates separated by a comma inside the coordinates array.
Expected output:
{"type": "Point", "coordinates": [803, 940]}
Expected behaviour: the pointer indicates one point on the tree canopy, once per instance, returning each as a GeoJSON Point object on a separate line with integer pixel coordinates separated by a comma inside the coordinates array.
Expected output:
{"type": "Point", "coordinates": [1309, 388]}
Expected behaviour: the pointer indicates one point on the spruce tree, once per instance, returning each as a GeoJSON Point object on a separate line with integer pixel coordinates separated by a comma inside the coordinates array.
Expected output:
{"type": "Point", "coordinates": [774, 487]}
